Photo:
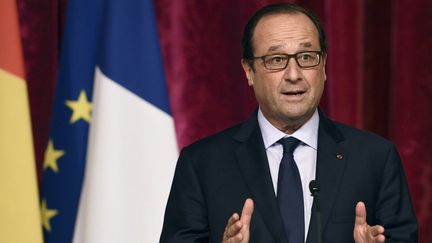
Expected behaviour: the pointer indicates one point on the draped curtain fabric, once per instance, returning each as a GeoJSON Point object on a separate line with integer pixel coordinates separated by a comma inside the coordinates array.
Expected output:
{"type": "Point", "coordinates": [379, 74]}
{"type": "Point", "coordinates": [411, 102]}
{"type": "Point", "coordinates": [41, 28]}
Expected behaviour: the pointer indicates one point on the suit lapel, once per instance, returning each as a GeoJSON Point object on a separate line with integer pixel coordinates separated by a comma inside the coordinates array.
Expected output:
{"type": "Point", "coordinates": [252, 160]}
{"type": "Point", "coordinates": [331, 162]}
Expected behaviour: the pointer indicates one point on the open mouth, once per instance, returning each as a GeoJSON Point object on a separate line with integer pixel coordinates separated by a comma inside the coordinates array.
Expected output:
{"type": "Point", "coordinates": [294, 93]}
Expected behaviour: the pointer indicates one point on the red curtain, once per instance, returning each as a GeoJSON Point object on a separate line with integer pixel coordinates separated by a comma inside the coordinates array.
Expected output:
{"type": "Point", "coordinates": [411, 101]}
{"type": "Point", "coordinates": [41, 28]}
{"type": "Point", "coordinates": [379, 71]}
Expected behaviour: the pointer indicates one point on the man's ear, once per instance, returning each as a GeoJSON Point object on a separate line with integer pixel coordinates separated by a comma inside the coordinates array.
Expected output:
{"type": "Point", "coordinates": [249, 72]}
{"type": "Point", "coordinates": [324, 61]}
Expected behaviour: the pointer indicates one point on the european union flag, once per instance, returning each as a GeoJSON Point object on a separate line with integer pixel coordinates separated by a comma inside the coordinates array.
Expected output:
{"type": "Point", "coordinates": [111, 155]}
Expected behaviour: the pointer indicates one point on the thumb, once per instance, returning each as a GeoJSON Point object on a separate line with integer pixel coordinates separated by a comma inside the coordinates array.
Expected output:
{"type": "Point", "coordinates": [360, 211]}
{"type": "Point", "coordinates": [247, 212]}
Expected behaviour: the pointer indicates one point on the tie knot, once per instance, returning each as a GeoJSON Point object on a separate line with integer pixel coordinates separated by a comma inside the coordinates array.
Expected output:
{"type": "Point", "coordinates": [289, 144]}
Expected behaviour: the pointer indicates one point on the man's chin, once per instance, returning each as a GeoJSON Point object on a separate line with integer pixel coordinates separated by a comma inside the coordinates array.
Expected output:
{"type": "Point", "coordinates": [297, 116]}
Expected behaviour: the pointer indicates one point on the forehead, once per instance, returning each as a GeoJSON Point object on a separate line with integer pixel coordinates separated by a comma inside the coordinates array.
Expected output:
{"type": "Point", "coordinates": [285, 31]}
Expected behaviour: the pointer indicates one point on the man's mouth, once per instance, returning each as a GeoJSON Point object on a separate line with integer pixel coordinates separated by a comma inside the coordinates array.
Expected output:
{"type": "Point", "coordinates": [294, 93]}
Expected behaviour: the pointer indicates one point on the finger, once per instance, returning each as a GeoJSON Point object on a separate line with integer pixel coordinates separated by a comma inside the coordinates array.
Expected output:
{"type": "Point", "coordinates": [234, 228]}
{"type": "Point", "coordinates": [231, 228]}
{"type": "Point", "coordinates": [360, 211]}
{"type": "Point", "coordinates": [234, 231]}
{"type": "Point", "coordinates": [377, 233]}
{"type": "Point", "coordinates": [380, 239]}
{"type": "Point", "coordinates": [247, 212]}
{"type": "Point", "coordinates": [234, 218]}
{"type": "Point", "coordinates": [377, 230]}
{"type": "Point", "coordinates": [232, 239]}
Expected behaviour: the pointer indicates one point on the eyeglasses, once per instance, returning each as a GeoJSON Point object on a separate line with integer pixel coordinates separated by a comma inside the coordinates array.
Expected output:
{"type": "Point", "coordinates": [304, 59]}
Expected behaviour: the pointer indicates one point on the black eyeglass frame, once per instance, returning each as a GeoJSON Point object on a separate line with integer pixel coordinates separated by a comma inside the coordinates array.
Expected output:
{"type": "Point", "coordinates": [289, 56]}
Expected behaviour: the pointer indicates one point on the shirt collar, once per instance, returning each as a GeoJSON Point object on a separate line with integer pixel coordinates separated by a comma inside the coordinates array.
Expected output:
{"type": "Point", "coordinates": [308, 133]}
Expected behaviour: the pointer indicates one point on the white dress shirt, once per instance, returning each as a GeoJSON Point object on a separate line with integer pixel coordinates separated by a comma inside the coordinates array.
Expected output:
{"type": "Point", "coordinates": [304, 155]}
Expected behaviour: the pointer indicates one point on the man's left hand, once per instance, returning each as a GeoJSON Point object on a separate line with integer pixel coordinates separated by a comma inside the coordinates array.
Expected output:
{"type": "Point", "coordinates": [364, 233]}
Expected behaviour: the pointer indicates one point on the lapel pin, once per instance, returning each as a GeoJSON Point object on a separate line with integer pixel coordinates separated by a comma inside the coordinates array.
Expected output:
{"type": "Point", "coordinates": [339, 156]}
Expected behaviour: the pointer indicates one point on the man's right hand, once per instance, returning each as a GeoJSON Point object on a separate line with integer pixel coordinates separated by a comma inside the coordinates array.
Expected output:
{"type": "Point", "coordinates": [237, 228]}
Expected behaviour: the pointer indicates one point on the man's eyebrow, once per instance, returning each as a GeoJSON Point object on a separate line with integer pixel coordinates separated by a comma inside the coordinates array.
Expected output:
{"type": "Point", "coordinates": [278, 47]}
{"type": "Point", "coordinates": [306, 44]}
{"type": "Point", "coordinates": [274, 48]}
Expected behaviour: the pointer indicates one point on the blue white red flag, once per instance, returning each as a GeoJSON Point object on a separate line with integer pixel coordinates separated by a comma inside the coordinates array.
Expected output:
{"type": "Point", "coordinates": [111, 156]}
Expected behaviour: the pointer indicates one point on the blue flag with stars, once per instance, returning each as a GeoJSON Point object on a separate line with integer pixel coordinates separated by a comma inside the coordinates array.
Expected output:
{"type": "Point", "coordinates": [112, 150]}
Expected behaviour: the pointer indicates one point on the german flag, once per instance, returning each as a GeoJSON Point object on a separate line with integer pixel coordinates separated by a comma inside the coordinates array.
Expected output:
{"type": "Point", "coordinates": [19, 207]}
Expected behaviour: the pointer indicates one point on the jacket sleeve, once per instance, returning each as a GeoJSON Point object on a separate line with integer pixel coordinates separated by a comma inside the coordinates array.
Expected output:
{"type": "Point", "coordinates": [394, 207]}
{"type": "Point", "coordinates": [185, 215]}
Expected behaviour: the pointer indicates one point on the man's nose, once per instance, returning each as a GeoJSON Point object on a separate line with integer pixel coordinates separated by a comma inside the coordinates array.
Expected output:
{"type": "Point", "coordinates": [292, 71]}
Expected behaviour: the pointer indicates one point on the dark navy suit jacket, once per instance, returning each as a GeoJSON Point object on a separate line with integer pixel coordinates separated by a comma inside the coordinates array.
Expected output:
{"type": "Point", "coordinates": [215, 175]}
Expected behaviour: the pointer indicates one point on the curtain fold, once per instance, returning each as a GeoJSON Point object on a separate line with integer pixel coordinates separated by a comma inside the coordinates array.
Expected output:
{"type": "Point", "coordinates": [411, 102]}
{"type": "Point", "coordinates": [344, 25]}
{"type": "Point", "coordinates": [41, 27]}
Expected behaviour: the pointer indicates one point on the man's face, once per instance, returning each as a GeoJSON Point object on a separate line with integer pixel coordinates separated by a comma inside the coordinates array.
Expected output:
{"type": "Point", "coordinates": [287, 97]}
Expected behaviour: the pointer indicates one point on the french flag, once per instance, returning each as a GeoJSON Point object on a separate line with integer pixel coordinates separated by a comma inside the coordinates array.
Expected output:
{"type": "Point", "coordinates": [116, 166]}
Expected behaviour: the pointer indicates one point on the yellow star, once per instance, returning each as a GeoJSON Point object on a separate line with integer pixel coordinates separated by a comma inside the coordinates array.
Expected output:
{"type": "Point", "coordinates": [51, 156]}
{"type": "Point", "coordinates": [81, 108]}
{"type": "Point", "coordinates": [46, 215]}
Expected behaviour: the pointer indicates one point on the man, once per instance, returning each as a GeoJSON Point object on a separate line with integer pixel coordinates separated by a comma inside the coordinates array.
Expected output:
{"type": "Point", "coordinates": [249, 169]}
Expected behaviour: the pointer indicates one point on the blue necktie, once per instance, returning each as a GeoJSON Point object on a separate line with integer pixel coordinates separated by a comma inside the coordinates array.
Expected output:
{"type": "Point", "coordinates": [290, 193]}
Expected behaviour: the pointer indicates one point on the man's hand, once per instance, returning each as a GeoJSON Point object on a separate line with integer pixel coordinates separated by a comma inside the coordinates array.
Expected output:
{"type": "Point", "coordinates": [237, 228]}
{"type": "Point", "coordinates": [364, 233]}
